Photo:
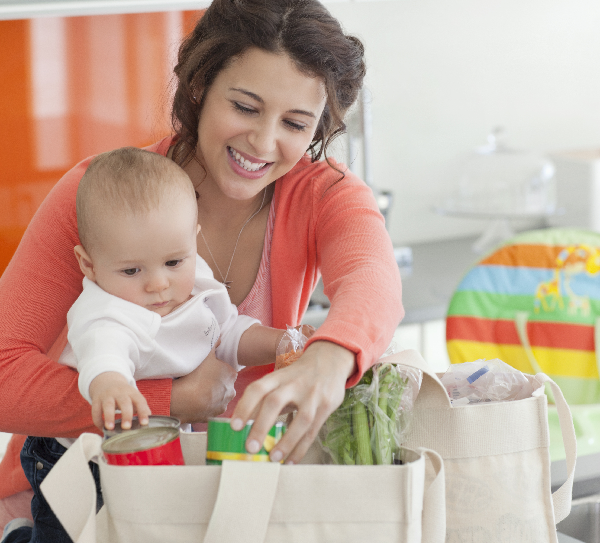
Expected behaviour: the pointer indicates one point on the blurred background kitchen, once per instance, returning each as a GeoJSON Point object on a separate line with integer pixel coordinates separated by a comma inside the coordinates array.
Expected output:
{"type": "Point", "coordinates": [451, 86]}
{"type": "Point", "coordinates": [445, 80]}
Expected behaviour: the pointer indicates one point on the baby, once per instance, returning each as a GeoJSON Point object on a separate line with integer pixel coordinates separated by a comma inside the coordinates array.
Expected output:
{"type": "Point", "coordinates": [150, 307]}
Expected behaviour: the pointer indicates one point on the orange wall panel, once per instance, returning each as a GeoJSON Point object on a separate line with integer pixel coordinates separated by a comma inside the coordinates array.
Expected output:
{"type": "Point", "coordinates": [72, 87]}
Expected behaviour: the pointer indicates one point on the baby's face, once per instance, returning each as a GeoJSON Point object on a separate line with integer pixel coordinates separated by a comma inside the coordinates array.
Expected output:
{"type": "Point", "coordinates": [148, 259]}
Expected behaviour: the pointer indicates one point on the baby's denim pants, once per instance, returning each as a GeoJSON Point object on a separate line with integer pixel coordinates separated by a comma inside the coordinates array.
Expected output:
{"type": "Point", "coordinates": [38, 456]}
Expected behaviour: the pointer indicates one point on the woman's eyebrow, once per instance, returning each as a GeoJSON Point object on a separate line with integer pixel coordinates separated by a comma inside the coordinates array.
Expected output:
{"type": "Point", "coordinates": [261, 101]}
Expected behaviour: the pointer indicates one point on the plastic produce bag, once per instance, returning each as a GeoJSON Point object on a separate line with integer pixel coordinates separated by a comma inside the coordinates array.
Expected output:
{"type": "Point", "coordinates": [485, 381]}
{"type": "Point", "coordinates": [291, 345]}
{"type": "Point", "coordinates": [370, 424]}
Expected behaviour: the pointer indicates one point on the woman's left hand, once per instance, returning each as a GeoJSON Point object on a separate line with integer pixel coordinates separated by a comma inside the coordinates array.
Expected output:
{"type": "Point", "coordinates": [314, 385]}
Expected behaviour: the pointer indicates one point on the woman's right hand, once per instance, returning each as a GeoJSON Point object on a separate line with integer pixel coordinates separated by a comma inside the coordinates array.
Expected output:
{"type": "Point", "coordinates": [205, 392]}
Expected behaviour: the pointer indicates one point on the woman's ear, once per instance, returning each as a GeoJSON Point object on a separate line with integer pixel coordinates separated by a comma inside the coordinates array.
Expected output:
{"type": "Point", "coordinates": [85, 262]}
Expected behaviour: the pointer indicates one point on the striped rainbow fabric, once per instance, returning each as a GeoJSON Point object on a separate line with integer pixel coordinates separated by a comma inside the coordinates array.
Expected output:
{"type": "Point", "coordinates": [534, 302]}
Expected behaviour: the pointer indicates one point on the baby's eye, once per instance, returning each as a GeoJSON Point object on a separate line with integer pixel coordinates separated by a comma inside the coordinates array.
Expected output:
{"type": "Point", "coordinates": [130, 271]}
{"type": "Point", "coordinates": [173, 263]}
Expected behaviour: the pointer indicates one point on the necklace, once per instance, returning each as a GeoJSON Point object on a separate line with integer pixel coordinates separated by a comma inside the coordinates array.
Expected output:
{"type": "Point", "coordinates": [224, 279]}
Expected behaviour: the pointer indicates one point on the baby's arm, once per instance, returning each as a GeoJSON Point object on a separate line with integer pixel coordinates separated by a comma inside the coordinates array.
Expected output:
{"type": "Point", "coordinates": [111, 390]}
{"type": "Point", "coordinates": [106, 354]}
{"type": "Point", "coordinates": [258, 344]}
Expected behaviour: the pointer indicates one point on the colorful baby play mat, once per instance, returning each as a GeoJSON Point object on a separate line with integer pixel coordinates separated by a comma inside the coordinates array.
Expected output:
{"type": "Point", "coordinates": [534, 303]}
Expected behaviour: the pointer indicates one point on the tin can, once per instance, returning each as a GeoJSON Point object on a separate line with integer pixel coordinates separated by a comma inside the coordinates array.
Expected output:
{"type": "Point", "coordinates": [144, 447]}
{"type": "Point", "coordinates": [154, 421]}
{"type": "Point", "coordinates": [227, 444]}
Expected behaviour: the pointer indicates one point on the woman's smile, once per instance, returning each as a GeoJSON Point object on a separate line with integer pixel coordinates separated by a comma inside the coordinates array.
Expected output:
{"type": "Point", "coordinates": [247, 166]}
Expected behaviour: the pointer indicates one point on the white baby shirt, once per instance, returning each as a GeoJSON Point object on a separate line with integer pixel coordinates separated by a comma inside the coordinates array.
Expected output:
{"type": "Point", "coordinates": [107, 333]}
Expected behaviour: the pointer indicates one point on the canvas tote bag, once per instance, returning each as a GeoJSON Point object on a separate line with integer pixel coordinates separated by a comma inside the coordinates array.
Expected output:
{"type": "Point", "coordinates": [247, 501]}
{"type": "Point", "coordinates": [496, 460]}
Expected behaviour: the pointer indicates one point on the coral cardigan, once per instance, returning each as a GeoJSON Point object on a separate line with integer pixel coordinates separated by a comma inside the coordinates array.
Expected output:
{"type": "Point", "coordinates": [320, 228]}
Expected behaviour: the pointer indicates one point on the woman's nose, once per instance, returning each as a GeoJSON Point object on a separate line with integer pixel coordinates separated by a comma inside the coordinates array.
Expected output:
{"type": "Point", "coordinates": [263, 138]}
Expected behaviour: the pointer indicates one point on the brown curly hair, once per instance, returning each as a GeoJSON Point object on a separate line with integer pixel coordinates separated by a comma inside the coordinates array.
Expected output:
{"type": "Point", "coordinates": [302, 29]}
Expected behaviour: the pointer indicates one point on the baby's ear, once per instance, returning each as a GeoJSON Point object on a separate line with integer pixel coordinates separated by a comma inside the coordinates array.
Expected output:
{"type": "Point", "coordinates": [85, 262]}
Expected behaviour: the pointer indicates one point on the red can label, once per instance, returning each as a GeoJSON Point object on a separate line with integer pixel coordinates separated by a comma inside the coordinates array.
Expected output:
{"type": "Point", "coordinates": [144, 447]}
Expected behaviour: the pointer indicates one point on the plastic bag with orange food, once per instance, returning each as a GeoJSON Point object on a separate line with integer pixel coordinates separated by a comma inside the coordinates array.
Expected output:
{"type": "Point", "coordinates": [292, 344]}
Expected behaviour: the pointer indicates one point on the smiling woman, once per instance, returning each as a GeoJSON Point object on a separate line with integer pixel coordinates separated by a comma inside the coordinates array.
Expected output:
{"type": "Point", "coordinates": [262, 91]}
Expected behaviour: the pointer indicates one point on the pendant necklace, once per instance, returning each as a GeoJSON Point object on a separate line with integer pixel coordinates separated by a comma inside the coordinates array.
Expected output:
{"type": "Point", "coordinates": [224, 278]}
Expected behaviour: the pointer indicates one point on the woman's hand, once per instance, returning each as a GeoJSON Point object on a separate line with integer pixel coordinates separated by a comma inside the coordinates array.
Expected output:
{"type": "Point", "coordinates": [205, 392]}
{"type": "Point", "coordinates": [314, 385]}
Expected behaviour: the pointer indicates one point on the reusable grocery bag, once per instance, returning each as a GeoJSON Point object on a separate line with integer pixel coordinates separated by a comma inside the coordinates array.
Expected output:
{"type": "Point", "coordinates": [496, 460]}
{"type": "Point", "coordinates": [253, 502]}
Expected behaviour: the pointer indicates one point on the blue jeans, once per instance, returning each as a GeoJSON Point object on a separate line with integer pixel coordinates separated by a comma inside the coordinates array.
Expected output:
{"type": "Point", "coordinates": [38, 456]}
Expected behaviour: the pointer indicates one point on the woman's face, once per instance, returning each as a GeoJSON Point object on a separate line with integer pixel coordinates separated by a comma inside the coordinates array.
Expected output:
{"type": "Point", "coordinates": [258, 119]}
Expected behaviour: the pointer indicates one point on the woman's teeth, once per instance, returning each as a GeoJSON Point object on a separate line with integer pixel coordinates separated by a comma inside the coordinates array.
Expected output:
{"type": "Point", "coordinates": [246, 164]}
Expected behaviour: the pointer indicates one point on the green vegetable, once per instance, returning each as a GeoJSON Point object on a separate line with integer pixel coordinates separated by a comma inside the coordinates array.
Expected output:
{"type": "Point", "coordinates": [360, 426]}
{"type": "Point", "coordinates": [383, 429]}
{"type": "Point", "coordinates": [365, 429]}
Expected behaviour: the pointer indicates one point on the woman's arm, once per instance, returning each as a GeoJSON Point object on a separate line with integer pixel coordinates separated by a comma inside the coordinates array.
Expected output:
{"type": "Point", "coordinates": [346, 239]}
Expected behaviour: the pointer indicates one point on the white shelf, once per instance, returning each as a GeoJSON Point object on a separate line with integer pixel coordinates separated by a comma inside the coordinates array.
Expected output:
{"type": "Point", "coordinates": [28, 9]}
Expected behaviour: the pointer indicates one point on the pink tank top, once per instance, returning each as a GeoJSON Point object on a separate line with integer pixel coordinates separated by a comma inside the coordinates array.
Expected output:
{"type": "Point", "coordinates": [258, 302]}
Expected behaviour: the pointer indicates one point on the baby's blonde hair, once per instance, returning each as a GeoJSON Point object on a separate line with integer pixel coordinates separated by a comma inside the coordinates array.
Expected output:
{"type": "Point", "coordinates": [126, 180]}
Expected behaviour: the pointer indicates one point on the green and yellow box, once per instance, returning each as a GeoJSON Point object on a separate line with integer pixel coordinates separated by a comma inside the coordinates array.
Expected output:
{"type": "Point", "coordinates": [227, 444]}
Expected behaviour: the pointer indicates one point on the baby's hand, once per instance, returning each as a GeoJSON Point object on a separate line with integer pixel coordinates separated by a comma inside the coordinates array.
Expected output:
{"type": "Point", "coordinates": [110, 390]}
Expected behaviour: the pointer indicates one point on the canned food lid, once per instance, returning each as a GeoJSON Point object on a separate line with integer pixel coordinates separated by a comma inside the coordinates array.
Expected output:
{"type": "Point", "coordinates": [139, 440]}
{"type": "Point", "coordinates": [153, 421]}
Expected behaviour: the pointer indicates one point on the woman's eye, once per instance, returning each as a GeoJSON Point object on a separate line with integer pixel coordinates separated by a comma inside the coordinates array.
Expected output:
{"type": "Point", "coordinates": [172, 263]}
{"type": "Point", "coordinates": [130, 271]}
{"type": "Point", "coordinates": [243, 108]}
{"type": "Point", "coordinates": [295, 126]}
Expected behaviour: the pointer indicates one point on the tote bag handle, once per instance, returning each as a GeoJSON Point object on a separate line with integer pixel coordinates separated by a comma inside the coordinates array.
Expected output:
{"type": "Point", "coordinates": [433, 523]}
{"type": "Point", "coordinates": [433, 395]}
{"type": "Point", "coordinates": [561, 498]}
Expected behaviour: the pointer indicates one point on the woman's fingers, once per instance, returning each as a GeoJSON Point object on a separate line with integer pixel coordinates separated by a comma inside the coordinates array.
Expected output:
{"type": "Point", "coordinates": [264, 412]}
{"type": "Point", "coordinates": [250, 403]}
{"type": "Point", "coordinates": [314, 384]}
{"type": "Point", "coordinates": [307, 439]}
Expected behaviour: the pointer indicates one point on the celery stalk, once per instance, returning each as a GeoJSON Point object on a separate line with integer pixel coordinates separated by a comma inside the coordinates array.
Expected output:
{"type": "Point", "coordinates": [360, 426]}
{"type": "Point", "coordinates": [382, 438]}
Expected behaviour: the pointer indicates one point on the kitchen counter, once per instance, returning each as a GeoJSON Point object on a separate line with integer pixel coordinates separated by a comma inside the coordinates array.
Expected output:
{"type": "Point", "coordinates": [427, 285]}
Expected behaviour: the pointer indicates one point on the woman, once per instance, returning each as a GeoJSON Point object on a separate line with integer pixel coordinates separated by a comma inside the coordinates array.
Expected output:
{"type": "Point", "coordinates": [259, 84]}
